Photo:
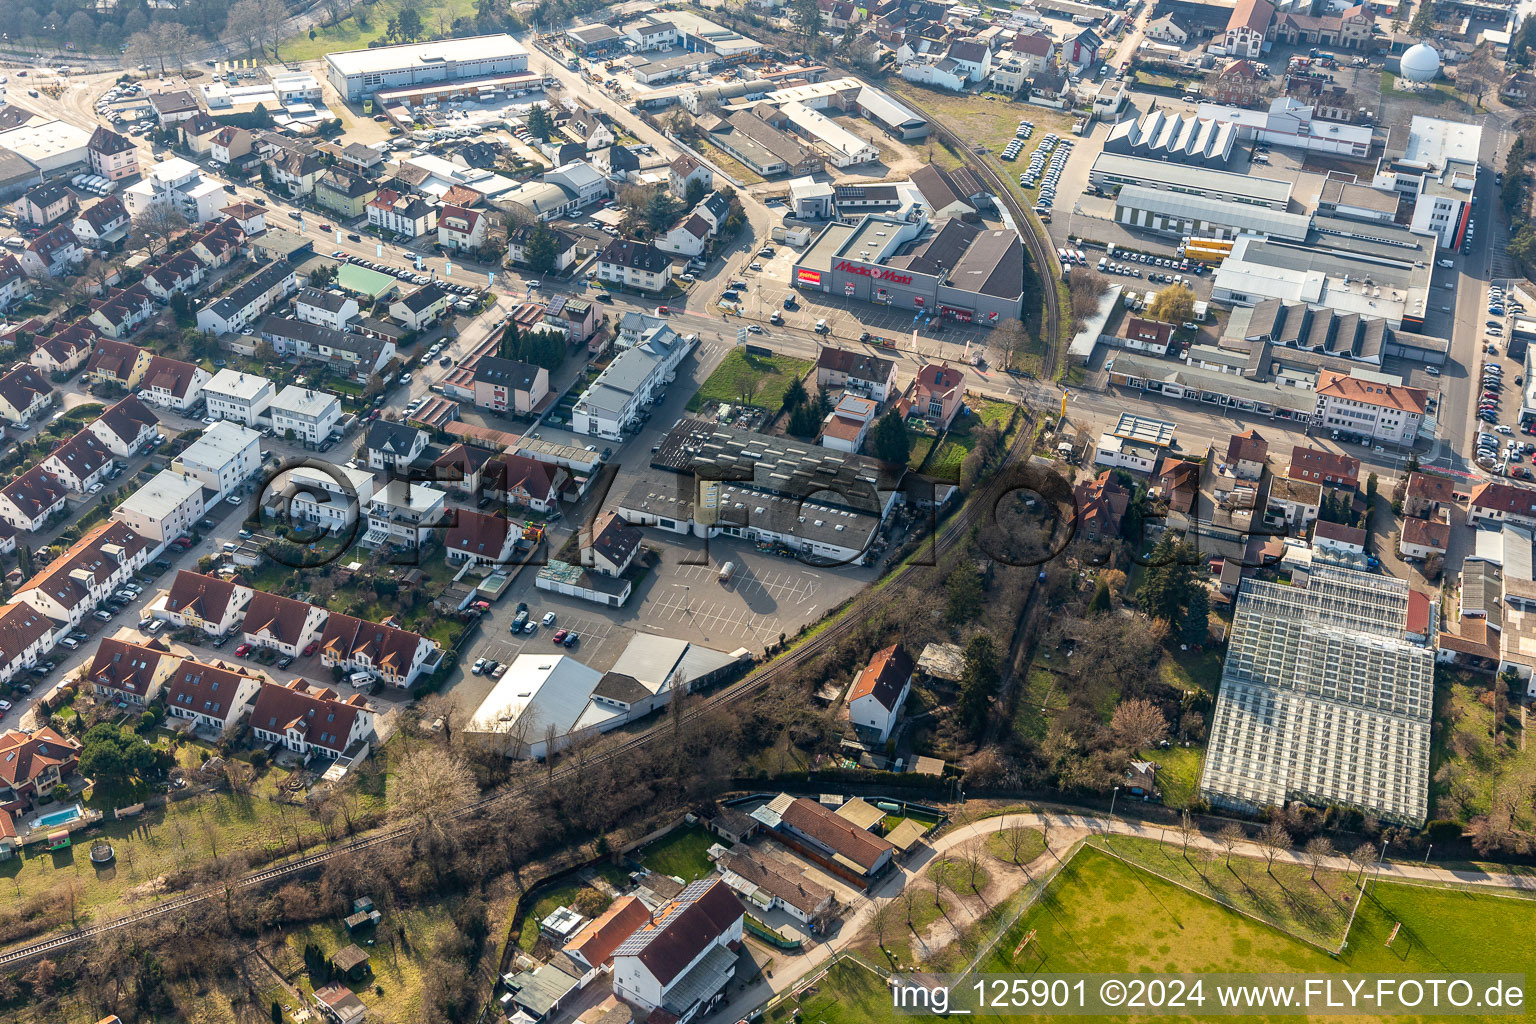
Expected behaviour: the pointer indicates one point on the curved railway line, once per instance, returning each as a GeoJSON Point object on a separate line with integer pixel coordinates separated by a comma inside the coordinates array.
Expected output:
{"type": "Point", "coordinates": [971, 514]}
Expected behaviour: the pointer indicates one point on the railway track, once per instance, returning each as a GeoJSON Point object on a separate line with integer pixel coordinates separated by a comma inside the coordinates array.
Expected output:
{"type": "Point", "coordinates": [971, 514]}
{"type": "Point", "coordinates": [1042, 253]}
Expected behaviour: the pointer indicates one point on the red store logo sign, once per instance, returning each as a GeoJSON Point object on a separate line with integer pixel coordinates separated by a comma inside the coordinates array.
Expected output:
{"type": "Point", "coordinates": [878, 275]}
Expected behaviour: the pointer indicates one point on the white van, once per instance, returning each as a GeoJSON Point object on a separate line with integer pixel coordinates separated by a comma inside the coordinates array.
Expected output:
{"type": "Point", "coordinates": [726, 571]}
{"type": "Point", "coordinates": [358, 680]}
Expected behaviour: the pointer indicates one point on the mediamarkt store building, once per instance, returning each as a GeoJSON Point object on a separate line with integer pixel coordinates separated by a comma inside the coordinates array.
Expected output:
{"type": "Point", "coordinates": [957, 270]}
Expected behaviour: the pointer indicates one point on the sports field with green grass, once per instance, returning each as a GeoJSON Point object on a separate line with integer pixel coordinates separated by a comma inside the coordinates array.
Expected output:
{"type": "Point", "coordinates": [1102, 915]}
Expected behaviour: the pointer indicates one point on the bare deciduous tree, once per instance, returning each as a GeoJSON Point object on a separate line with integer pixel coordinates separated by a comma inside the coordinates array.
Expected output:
{"type": "Point", "coordinates": [911, 898]}
{"type": "Point", "coordinates": [1138, 724]}
{"type": "Point", "coordinates": [1187, 831]}
{"type": "Point", "coordinates": [428, 783]}
{"type": "Point", "coordinates": [152, 229]}
{"type": "Point", "coordinates": [880, 922]}
{"type": "Point", "coordinates": [1008, 339]}
{"type": "Point", "coordinates": [1273, 840]}
{"type": "Point", "coordinates": [1319, 849]}
{"type": "Point", "coordinates": [970, 858]}
{"type": "Point", "coordinates": [1230, 835]}
{"type": "Point", "coordinates": [1015, 839]}
{"type": "Point", "coordinates": [1363, 855]}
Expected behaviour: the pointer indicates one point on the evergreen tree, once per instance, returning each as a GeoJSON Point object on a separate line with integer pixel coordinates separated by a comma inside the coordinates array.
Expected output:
{"type": "Point", "coordinates": [1195, 626]}
{"type": "Point", "coordinates": [1168, 581]}
{"type": "Point", "coordinates": [660, 209]}
{"type": "Point", "coordinates": [795, 395]}
{"type": "Point", "coordinates": [978, 681]}
{"type": "Point", "coordinates": [892, 441]}
{"type": "Point", "coordinates": [1100, 602]}
{"type": "Point", "coordinates": [803, 421]}
{"type": "Point", "coordinates": [24, 560]}
{"type": "Point", "coordinates": [511, 343]}
{"type": "Point", "coordinates": [964, 589]}
{"type": "Point", "coordinates": [542, 249]}
{"type": "Point", "coordinates": [539, 122]}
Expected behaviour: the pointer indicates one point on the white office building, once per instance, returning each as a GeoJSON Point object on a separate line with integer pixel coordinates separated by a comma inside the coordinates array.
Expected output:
{"type": "Point", "coordinates": [613, 401]}
{"type": "Point", "coordinates": [180, 184]}
{"type": "Point", "coordinates": [239, 397]}
{"type": "Point", "coordinates": [330, 500]}
{"type": "Point", "coordinates": [163, 509]}
{"type": "Point", "coordinates": [1437, 164]}
{"type": "Point", "coordinates": [360, 73]}
{"type": "Point", "coordinates": [226, 456]}
{"type": "Point", "coordinates": [305, 414]}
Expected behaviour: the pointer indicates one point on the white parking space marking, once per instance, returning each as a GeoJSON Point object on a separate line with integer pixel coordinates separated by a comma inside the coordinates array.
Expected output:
{"type": "Point", "coordinates": [711, 618]}
{"type": "Point", "coordinates": [501, 650]}
{"type": "Point", "coordinates": [785, 587]}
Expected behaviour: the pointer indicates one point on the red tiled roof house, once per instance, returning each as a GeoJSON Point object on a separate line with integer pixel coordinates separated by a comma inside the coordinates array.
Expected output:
{"type": "Point", "coordinates": [877, 696]}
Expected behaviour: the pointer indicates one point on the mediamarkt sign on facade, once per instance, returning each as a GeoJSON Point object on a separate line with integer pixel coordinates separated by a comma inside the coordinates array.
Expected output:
{"type": "Point", "coordinates": [878, 275]}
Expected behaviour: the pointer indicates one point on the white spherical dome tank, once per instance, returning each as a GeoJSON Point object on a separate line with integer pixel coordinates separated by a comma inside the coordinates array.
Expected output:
{"type": "Point", "coordinates": [1421, 63]}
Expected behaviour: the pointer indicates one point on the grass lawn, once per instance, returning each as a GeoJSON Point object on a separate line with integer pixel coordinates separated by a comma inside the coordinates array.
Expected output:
{"type": "Point", "coordinates": [727, 163]}
{"type": "Point", "coordinates": [163, 840]}
{"type": "Point", "coordinates": [1041, 698]}
{"type": "Point", "coordinates": [953, 875]}
{"type": "Point", "coordinates": [400, 969]}
{"type": "Point", "coordinates": [922, 444]}
{"type": "Point", "coordinates": [1192, 670]}
{"type": "Point", "coordinates": [1467, 764]}
{"type": "Point", "coordinates": [547, 902]}
{"type": "Point", "coordinates": [1101, 916]}
{"type": "Point", "coordinates": [1034, 846]}
{"type": "Point", "coordinates": [1178, 773]}
{"type": "Point", "coordinates": [682, 853]}
{"type": "Point", "coordinates": [1441, 93]}
{"type": "Point", "coordinates": [944, 461]}
{"type": "Point", "coordinates": [350, 34]}
{"type": "Point", "coordinates": [1287, 896]}
{"type": "Point", "coordinates": [771, 374]}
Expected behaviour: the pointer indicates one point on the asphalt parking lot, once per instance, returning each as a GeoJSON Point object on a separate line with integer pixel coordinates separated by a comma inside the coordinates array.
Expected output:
{"type": "Point", "coordinates": [681, 597]}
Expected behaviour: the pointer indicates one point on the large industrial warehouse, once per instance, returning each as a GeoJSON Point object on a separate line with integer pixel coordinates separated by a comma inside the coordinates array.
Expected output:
{"type": "Point", "coordinates": [955, 270]}
{"type": "Point", "coordinates": [357, 74]}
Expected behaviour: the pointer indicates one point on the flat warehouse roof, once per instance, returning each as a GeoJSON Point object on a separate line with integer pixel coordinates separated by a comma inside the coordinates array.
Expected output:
{"type": "Point", "coordinates": [1215, 211]}
{"type": "Point", "coordinates": [993, 264]}
{"type": "Point", "coordinates": [394, 58]}
{"type": "Point", "coordinates": [827, 245]}
{"type": "Point", "coordinates": [1203, 179]}
{"type": "Point", "coordinates": [1433, 141]}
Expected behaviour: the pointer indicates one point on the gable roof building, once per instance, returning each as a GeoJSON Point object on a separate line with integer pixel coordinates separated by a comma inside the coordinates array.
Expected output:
{"type": "Point", "coordinates": [835, 842]}
{"type": "Point", "coordinates": [32, 763]}
{"type": "Point", "coordinates": [481, 538]}
{"type": "Point", "coordinates": [211, 603]}
{"type": "Point", "coordinates": [684, 954]}
{"type": "Point", "coordinates": [397, 656]}
{"type": "Point", "coordinates": [132, 672]}
{"type": "Point", "coordinates": [276, 621]}
{"type": "Point", "coordinates": [24, 392]}
{"type": "Point", "coordinates": [26, 634]}
{"type": "Point", "coordinates": [29, 499]}
{"type": "Point", "coordinates": [215, 697]}
{"type": "Point", "coordinates": [125, 425]}
{"type": "Point", "coordinates": [309, 719]}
